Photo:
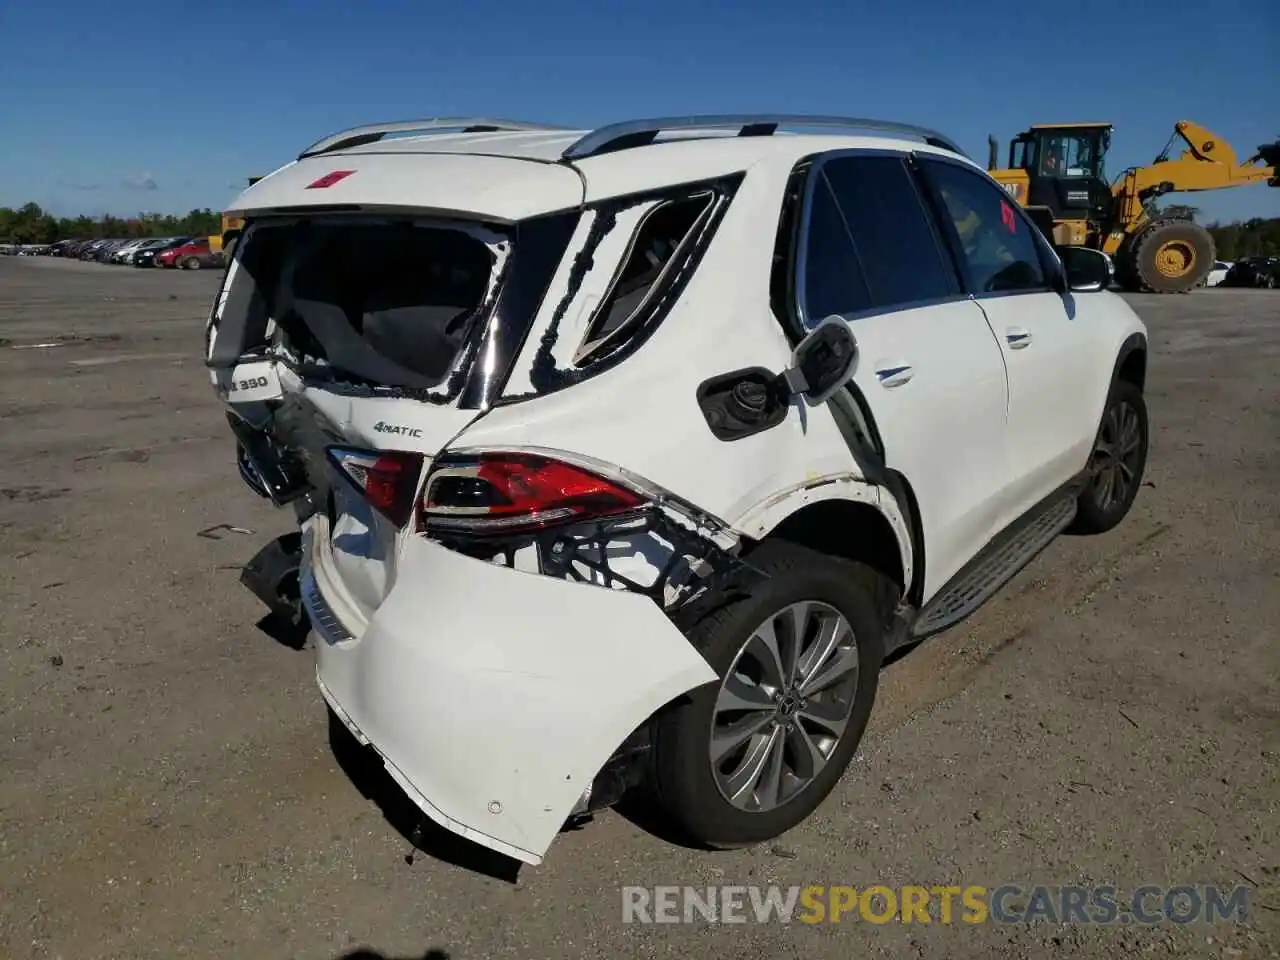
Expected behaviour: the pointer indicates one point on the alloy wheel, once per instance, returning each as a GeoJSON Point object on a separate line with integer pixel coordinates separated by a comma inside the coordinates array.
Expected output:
{"type": "Point", "coordinates": [783, 706]}
{"type": "Point", "coordinates": [1116, 456]}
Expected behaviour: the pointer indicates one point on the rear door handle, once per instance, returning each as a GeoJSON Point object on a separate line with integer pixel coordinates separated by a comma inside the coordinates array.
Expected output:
{"type": "Point", "coordinates": [1017, 338]}
{"type": "Point", "coordinates": [894, 374]}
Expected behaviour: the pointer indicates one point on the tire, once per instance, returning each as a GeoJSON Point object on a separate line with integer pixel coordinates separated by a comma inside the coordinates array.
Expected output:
{"type": "Point", "coordinates": [1099, 509]}
{"type": "Point", "coordinates": [1170, 256]}
{"type": "Point", "coordinates": [686, 784]}
{"type": "Point", "coordinates": [191, 263]}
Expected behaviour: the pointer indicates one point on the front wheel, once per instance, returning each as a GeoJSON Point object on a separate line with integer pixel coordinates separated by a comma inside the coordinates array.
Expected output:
{"type": "Point", "coordinates": [191, 263]}
{"type": "Point", "coordinates": [1118, 461]}
{"type": "Point", "coordinates": [747, 758]}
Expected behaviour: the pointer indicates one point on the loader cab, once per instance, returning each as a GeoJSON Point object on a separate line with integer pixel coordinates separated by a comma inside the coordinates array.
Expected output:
{"type": "Point", "coordinates": [1065, 164]}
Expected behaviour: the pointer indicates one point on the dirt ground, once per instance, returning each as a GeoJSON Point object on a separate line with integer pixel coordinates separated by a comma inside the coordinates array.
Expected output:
{"type": "Point", "coordinates": [168, 789]}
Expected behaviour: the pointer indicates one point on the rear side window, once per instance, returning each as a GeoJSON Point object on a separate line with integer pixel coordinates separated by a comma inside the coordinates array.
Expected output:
{"type": "Point", "coordinates": [665, 232]}
{"type": "Point", "coordinates": [999, 249]}
{"type": "Point", "coordinates": [901, 255]}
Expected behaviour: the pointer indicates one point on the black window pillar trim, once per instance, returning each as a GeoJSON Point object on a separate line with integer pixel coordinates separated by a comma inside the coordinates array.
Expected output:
{"type": "Point", "coordinates": [538, 246]}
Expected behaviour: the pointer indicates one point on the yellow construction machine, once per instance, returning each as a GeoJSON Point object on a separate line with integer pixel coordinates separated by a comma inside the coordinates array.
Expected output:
{"type": "Point", "coordinates": [1056, 171]}
{"type": "Point", "coordinates": [229, 232]}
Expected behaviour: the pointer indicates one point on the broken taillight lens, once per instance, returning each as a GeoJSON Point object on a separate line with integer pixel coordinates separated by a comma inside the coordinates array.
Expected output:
{"type": "Point", "coordinates": [388, 479]}
{"type": "Point", "coordinates": [503, 493]}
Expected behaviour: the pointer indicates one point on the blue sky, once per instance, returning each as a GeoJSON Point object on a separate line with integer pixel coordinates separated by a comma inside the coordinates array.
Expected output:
{"type": "Point", "coordinates": [166, 106]}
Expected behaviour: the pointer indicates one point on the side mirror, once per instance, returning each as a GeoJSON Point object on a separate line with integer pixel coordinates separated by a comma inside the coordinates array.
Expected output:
{"type": "Point", "coordinates": [822, 362]}
{"type": "Point", "coordinates": [1087, 270]}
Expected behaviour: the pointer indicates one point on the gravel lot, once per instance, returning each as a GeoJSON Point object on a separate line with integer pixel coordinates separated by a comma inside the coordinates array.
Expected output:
{"type": "Point", "coordinates": [167, 787]}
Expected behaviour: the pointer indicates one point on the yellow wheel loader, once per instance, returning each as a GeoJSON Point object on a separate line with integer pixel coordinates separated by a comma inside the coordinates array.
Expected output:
{"type": "Point", "coordinates": [225, 240]}
{"type": "Point", "coordinates": [1056, 171]}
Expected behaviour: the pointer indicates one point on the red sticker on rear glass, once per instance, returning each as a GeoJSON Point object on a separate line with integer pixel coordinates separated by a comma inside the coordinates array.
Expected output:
{"type": "Point", "coordinates": [329, 179]}
{"type": "Point", "coordinates": [1007, 217]}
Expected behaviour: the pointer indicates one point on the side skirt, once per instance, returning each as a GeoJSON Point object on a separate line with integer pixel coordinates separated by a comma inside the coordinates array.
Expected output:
{"type": "Point", "coordinates": [998, 562]}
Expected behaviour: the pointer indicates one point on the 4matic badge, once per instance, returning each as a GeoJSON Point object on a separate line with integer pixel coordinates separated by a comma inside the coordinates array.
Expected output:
{"type": "Point", "coordinates": [400, 430]}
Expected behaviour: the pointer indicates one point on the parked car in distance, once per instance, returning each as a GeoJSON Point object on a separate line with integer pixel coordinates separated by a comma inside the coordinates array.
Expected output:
{"type": "Point", "coordinates": [104, 253]}
{"type": "Point", "coordinates": [1217, 274]}
{"type": "Point", "coordinates": [144, 253]}
{"type": "Point", "coordinates": [120, 254]}
{"type": "Point", "coordinates": [191, 255]}
{"type": "Point", "coordinates": [636, 466]}
{"type": "Point", "coordinates": [1261, 272]}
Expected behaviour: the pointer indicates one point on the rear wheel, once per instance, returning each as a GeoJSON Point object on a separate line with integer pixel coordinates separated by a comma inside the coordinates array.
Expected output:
{"type": "Point", "coordinates": [1168, 256]}
{"type": "Point", "coordinates": [747, 758]}
{"type": "Point", "coordinates": [1118, 461]}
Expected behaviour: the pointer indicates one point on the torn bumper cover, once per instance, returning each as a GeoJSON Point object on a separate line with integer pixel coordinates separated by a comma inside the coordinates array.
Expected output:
{"type": "Point", "coordinates": [493, 696]}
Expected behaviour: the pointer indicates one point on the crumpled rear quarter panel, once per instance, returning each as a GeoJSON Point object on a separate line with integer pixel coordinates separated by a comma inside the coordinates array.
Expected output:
{"type": "Point", "coordinates": [498, 695]}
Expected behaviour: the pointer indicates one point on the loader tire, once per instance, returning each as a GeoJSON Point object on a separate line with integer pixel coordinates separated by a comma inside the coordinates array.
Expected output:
{"type": "Point", "coordinates": [1168, 256]}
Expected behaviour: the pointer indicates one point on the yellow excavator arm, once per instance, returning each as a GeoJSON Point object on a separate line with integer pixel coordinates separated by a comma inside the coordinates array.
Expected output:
{"type": "Point", "coordinates": [1207, 163]}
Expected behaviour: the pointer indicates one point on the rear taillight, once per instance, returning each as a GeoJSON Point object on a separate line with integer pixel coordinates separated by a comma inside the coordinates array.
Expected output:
{"type": "Point", "coordinates": [387, 479]}
{"type": "Point", "coordinates": [503, 493]}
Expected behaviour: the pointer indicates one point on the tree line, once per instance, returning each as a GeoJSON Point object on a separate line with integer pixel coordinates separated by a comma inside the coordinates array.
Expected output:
{"type": "Point", "coordinates": [1253, 238]}
{"type": "Point", "coordinates": [31, 224]}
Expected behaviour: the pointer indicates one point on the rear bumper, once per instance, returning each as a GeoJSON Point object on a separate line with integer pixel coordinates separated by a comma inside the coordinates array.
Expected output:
{"type": "Point", "coordinates": [492, 696]}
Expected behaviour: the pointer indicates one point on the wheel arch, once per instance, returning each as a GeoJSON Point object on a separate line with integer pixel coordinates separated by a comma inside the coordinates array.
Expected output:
{"type": "Point", "coordinates": [850, 518]}
{"type": "Point", "coordinates": [1131, 361]}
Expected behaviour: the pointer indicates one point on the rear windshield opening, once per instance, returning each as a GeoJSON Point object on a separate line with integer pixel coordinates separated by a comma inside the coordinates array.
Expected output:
{"type": "Point", "coordinates": [393, 304]}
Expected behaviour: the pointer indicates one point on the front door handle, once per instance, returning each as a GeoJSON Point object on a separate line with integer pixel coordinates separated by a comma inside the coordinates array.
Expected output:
{"type": "Point", "coordinates": [894, 374]}
{"type": "Point", "coordinates": [1018, 337]}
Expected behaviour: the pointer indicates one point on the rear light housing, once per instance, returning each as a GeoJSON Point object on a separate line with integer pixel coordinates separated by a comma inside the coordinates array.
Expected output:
{"type": "Point", "coordinates": [500, 493]}
{"type": "Point", "coordinates": [387, 479]}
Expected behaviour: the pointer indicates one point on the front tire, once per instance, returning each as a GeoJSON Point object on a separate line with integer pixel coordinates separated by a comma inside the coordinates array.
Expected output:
{"type": "Point", "coordinates": [1117, 463]}
{"type": "Point", "coordinates": [1169, 256]}
{"type": "Point", "coordinates": [191, 263]}
{"type": "Point", "coordinates": [746, 759]}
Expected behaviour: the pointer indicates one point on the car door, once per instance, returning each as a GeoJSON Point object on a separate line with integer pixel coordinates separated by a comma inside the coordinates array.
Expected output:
{"type": "Point", "coordinates": [1047, 351]}
{"type": "Point", "coordinates": [929, 372]}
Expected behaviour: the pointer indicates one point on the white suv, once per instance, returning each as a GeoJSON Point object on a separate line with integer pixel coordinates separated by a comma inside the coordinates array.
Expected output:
{"type": "Point", "coordinates": [628, 455]}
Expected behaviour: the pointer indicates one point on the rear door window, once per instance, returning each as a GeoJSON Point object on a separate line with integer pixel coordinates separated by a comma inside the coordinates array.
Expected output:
{"type": "Point", "coordinates": [870, 243]}
{"type": "Point", "coordinates": [901, 255]}
{"type": "Point", "coordinates": [832, 278]}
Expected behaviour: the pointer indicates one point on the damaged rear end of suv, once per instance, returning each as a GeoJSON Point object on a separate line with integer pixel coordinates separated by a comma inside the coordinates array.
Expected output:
{"type": "Point", "coordinates": [500, 622]}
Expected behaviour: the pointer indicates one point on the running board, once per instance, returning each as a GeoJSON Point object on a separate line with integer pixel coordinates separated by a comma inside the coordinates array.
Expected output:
{"type": "Point", "coordinates": [995, 566]}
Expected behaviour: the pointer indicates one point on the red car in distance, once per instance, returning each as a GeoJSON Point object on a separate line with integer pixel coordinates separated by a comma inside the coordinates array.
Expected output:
{"type": "Point", "coordinates": [190, 256]}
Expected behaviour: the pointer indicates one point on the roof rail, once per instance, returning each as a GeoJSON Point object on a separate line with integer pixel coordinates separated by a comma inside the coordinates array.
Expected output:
{"type": "Point", "coordinates": [639, 133]}
{"type": "Point", "coordinates": [372, 133]}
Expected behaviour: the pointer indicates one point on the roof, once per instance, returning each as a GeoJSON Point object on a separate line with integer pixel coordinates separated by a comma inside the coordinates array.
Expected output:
{"type": "Point", "coordinates": [1060, 126]}
{"type": "Point", "coordinates": [510, 170]}
{"type": "Point", "coordinates": [545, 146]}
